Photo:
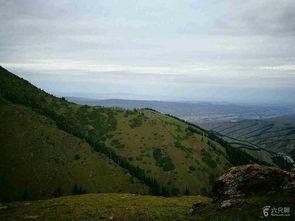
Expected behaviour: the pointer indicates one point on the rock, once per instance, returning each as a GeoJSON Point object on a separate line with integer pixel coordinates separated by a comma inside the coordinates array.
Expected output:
{"type": "Point", "coordinates": [196, 207]}
{"type": "Point", "coordinates": [226, 203]}
{"type": "Point", "coordinates": [252, 179]}
{"type": "Point", "coordinates": [231, 203]}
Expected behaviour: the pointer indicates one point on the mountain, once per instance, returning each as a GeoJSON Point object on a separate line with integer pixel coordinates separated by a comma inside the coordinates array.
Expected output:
{"type": "Point", "coordinates": [275, 134]}
{"type": "Point", "coordinates": [38, 160]}
{"type": "Point", "coordinates": [197, 112]}
{"type": "Point", "coordinates": [63, 143]}
{"type": "Point", "coordinates": [211, 112]}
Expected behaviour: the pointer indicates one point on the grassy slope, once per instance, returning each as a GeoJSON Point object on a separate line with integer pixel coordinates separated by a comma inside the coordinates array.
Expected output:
{"type": "Point", "coordinates": [128, 207]}
{"type": "Point", "coordinates": [276, 134]}
{"type": "Point", "coordinates": [187, 151]}
{"type": "Point", "coordinates": [163, 146]}
{"type": "Point", "coordinates": [37, 159]}
{"type": "Point", "coordinates": [251, 149]}
{"type": "Point", "coordinates": [90, 207]}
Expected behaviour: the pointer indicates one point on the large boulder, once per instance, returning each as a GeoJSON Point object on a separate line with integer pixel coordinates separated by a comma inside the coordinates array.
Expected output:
{"type": "Point", "coordinates": [252, 179]}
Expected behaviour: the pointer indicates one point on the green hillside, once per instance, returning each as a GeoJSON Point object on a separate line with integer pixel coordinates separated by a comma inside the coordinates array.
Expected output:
{"type": "Point", "coordinates": [38, 160]}
{"type": "Point", "coordinates": [167, 154]}
{"type": "Point", "coordinates": [274, 134]}
{"type": "Point", "coordinates": [257, 152]}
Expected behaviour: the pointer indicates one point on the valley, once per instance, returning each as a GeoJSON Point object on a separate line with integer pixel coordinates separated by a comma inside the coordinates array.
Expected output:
{"type": "Point", "coordinates": [273, 134]}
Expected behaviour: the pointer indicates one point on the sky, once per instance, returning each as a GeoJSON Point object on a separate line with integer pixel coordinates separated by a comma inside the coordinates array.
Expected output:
{"type": "Point", "coordinates": [190, 50]}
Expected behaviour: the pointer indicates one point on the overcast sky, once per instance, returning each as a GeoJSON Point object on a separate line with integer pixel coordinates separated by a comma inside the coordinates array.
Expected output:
{"type": "Point", "coordinates": [229, 50]}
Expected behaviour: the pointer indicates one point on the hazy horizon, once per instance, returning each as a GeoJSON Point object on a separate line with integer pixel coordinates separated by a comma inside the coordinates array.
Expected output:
{"type": "Point", "coordinates": [214, 51]}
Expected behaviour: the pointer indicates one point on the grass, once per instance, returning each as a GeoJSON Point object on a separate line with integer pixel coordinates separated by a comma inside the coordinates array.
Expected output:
{"type": "Point", "coordinates": [162, 161]}
{"type": "Point", "coordinates": [131, 207]}
{"type": "Point", "coordinates": [161, 132]}
{"type": "Point", "coordinates": [94, 207]}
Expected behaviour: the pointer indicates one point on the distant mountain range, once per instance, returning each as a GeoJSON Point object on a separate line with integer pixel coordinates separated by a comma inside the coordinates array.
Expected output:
{"type": "Point", "coordinates": [200, 112]}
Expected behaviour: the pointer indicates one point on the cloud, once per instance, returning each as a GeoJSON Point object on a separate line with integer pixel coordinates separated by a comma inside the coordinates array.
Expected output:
{"type": "Point", "coordinates": [264, 17]}
{"type": "Point", "coordinates": [178, 43]}
{"type": "Point", "coordinates": [286, 67]}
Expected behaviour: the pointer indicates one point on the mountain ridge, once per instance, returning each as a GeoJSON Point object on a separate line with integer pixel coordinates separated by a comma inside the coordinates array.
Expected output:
{"type": "Point", "coordinates": [194, 112]}
{"type": "Point", "coordinates": [273, 134]}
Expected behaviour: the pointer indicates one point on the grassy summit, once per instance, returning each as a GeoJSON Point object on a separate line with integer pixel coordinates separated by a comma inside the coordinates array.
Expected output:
{"type": "Point", "coordinates": [93, 207]}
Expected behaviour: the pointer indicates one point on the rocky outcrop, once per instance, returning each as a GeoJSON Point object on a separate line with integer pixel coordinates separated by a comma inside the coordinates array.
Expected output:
{"type": "Point", "coordinates": [252, 179]}
{"type": "Point", "coordinates": [231, 203]}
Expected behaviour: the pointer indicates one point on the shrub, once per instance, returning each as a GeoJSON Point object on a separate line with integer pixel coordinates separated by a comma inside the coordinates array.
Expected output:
{"type": "Point", "coordinates": [137, 121]}
{"type": "Point", "coordinates": [208, 160]}
{"type": "Point", "coordinates": [191, 168]}
{"type": "Point", "coordinates": [165, 162]}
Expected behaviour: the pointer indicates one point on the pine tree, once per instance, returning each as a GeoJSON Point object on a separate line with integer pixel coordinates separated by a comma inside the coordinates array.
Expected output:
{"type": "Point", "coordinates": [187, 191]}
